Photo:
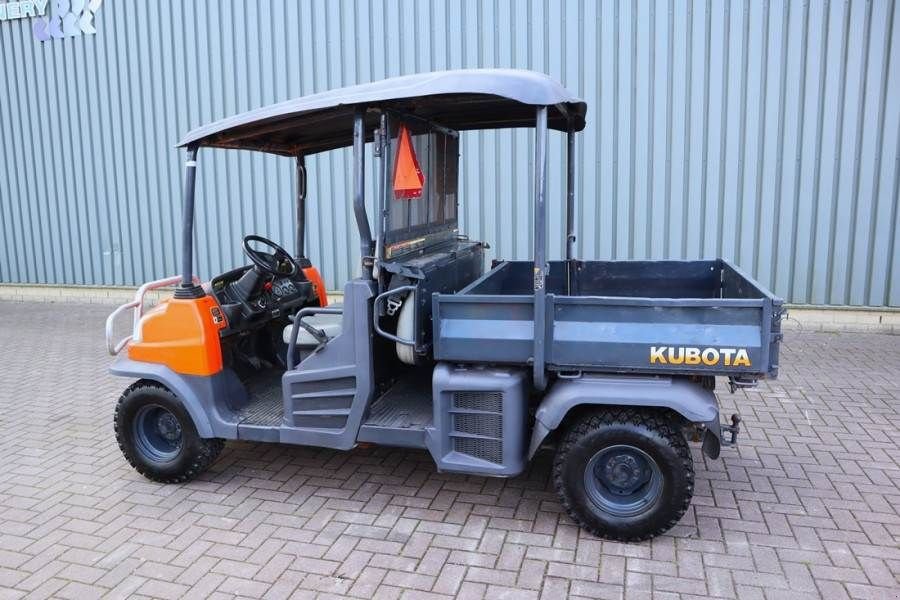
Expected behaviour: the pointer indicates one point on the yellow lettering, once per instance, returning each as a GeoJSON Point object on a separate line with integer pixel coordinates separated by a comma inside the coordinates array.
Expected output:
{"type": "Point", "coordinates": [680, 355]}
{"type": "Point", "coordinates": [742, 359]}
{"type": "Point", "coordinates": [710, 356]}
{"type": "Point", "coordinates": [729, 353]}
{"type": "Point", "coordinates": [692, 356]}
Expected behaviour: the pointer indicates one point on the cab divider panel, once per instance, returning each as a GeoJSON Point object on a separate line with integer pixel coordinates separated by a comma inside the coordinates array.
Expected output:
{"type": "Point", "coordinates": [445, 269]}
{"type": "Point", "coordinates": [327, 396]}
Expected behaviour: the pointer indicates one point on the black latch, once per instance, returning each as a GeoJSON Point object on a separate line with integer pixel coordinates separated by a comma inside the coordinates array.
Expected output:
{"type": "Point", "coordinates": [736, 382]}
{"type": "Point", "coordinates": [734, 429]}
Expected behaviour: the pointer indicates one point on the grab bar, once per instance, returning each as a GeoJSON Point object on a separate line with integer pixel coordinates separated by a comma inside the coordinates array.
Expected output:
{"type": "Point", "coordinates": [375, 315]}
{"type": "Point", "coordinates": [137, 303]}
{"type": "Point", "coordinates": [295, 330]}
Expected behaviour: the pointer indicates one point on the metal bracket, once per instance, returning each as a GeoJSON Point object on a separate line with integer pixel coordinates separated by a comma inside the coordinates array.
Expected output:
{"type": "Point", "coordinates": [736, 382]}
{"type": "Point", "coordinates": [392, 305]}
{"type": "Point", "coordinates": [399, 269]}
{"type": "Point", "coordinates": [733, 430]}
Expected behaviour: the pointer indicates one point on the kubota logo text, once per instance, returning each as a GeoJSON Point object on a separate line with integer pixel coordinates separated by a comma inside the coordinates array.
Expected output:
{"type": "Point", "coordinates": [680, 355]}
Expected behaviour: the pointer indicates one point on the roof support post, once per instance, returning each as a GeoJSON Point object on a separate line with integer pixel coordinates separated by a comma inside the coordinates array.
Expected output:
{"type": "Point", "coordinates": [570, 207]}
{"type": "Point", "coordinates": [300, 209]}
{"type": "Point", "coordinates": [570, 195]}
{"type": "Point", "coordinates": [359, 190]}
{"type": "Point", "coordinates": [381, 156]}
{"type": "Point", "coordinates": [540, 247]}
{"type": "Point", "coordinates": [187, 289]}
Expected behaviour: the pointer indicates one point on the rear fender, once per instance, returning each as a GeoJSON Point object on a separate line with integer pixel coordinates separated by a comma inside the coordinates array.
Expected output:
{"type": "Point", "coordinates": [690, 400]}
{"type": "Point", "coordinates": [197, 393]}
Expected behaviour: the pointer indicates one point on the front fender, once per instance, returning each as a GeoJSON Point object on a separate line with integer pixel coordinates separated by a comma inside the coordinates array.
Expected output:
{"type": "Point", "coordinates": [197, 393]}
{"type": "Point", "coordinates": [690, 400]}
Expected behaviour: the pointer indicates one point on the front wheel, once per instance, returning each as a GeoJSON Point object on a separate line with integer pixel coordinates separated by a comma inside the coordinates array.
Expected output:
{"type": "Point", "coordinates": [624, 474]}
{"type": "Point", "coordinates": [157, 435]}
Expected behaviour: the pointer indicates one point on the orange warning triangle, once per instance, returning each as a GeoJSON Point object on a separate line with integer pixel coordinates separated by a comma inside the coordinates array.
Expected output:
{"type": "Point", "coordinates": [408, 178]}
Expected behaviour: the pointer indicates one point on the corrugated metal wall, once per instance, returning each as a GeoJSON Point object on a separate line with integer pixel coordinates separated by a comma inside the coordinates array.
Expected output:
{"type": "Point", "coordinates": [765, 132]}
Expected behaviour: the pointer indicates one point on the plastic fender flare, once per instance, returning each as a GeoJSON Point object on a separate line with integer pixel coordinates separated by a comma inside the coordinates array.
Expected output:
{"type": "Point", "coordinates": [692, 401]}
{"type": "Point", "coordinates": [179, 385]}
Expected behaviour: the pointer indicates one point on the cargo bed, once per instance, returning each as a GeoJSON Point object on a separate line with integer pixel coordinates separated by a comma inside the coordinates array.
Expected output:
{"type": "Point", "coordinates": [677, 317]}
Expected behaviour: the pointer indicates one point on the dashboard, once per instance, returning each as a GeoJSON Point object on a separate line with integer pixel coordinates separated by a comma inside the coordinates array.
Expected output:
{"type": "Point", "coordinates": [250, 299]}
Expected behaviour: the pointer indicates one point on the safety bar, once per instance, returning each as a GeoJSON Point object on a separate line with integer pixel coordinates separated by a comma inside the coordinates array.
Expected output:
{"type": "Point", "coordinates": [375, 313]}
{"type": "Point", "coordinates": [316, 333]}
{"type": "Point", "coordinates": [138, 303]}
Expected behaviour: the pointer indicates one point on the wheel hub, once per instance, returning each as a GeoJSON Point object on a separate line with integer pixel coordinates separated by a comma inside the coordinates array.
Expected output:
{"type": "Point", "coordinates": [157, 432]}
{"type": "Point", "coordinates": [623, 473]}
{"type": "Point", "coordinates": [623, 480]}
{"type": "Point", "coordinates": [168, 426]}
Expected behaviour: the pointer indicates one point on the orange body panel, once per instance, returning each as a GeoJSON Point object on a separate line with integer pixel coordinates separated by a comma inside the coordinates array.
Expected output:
{"type": "Point", "coordinates": [182, 334]}
{"type": "Point", "coordinates": [313, 275]}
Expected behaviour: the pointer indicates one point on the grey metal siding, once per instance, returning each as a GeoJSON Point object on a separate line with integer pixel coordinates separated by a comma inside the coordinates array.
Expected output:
{"type": "Point", "coordinates": [767, 133]}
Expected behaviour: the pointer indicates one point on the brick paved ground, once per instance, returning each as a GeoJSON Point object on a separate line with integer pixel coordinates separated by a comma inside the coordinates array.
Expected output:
{"type": "Point", "coordinates": [807, 507]}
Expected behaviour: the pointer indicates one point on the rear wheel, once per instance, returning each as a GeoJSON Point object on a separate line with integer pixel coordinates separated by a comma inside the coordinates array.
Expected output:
{"type": "Point", "coordinates": [624, 474]}
{"type": "Point", "coordinates": [157, 435]}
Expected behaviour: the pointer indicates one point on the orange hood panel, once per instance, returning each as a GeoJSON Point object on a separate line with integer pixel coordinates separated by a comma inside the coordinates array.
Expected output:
{"type": "Point", "coordinates": [314, 277]}
{"type": "Point", "coordinates": [182, 334]}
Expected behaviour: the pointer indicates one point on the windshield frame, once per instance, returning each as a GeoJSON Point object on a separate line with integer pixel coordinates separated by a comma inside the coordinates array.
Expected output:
{"type": "Point", "coordinates": [397, 241]}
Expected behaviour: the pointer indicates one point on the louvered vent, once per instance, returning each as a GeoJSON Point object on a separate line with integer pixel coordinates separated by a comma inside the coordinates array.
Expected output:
{"type": "Point", "coordinates": [489, 450]}
{"type": "Point", "coordinates": [478, 425]}
{"type": "Point", "coordinates": [485, 401]}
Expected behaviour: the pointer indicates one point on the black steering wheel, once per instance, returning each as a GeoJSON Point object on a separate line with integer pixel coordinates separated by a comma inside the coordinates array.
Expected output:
{"type": "Point", "coordinates": [273, 263]}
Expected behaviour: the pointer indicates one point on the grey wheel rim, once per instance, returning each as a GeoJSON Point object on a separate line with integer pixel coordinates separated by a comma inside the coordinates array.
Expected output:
{"type": "Point", "coordinates": [157, 433]}
{"type": "Point", "coordinates": [623, 480]}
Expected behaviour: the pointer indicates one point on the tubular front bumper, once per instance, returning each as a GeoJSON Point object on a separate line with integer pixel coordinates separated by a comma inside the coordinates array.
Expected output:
{"type": "Point", "coordinates": [137, 304]}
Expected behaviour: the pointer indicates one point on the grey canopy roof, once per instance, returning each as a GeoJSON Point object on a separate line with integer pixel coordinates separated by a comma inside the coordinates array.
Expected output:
{"type": "Point", "coordinates": [464, 99]}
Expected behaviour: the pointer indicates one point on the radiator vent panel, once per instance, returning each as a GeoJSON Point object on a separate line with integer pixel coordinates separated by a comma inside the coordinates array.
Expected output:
{"type": "Point", "coordinates": [479, 424]}
{"type": "Point", "coordinates": [487, 401]}
{"type": "Point", "coordinates": [479, 419]}
{"type": "Point", "coordinates": [478, 414]}
{"type": "Point", "coordinates": [489, 450]}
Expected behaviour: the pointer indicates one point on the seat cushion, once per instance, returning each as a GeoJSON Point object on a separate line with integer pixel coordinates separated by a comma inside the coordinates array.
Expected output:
{"type": "Point", "coordinates": [330, 324]}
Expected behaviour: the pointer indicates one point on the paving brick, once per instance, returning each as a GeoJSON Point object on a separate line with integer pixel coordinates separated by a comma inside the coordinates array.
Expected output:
{"type": "Point", "coordinates": [600, 591]}
{"type": "Point", "coordinates": [491, 576]}
{"type": "Point", "coordinates": [406, 580]}
{"type": "Point", "coordinates": [449, 579]}
{"type": "Point", "coordinates": [532, 574]}
{"type": "Point", "coordinates": [805, 507]}
{"type": "Point", "coordinates": [163, 589]}
{"type": "Point", "coordinates": [80, 591]}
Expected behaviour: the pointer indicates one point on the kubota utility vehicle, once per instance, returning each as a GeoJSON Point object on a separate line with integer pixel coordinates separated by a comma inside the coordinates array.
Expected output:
{"type": "Point", "coordinates": [612, 363]}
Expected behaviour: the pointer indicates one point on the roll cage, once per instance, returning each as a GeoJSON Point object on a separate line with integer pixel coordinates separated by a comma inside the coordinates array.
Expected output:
{"type": "Point", "coordinates": [448, 102]}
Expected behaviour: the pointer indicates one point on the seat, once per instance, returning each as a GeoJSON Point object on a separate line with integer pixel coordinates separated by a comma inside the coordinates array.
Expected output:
{"type": "Point", "coordinates": [327, 323]}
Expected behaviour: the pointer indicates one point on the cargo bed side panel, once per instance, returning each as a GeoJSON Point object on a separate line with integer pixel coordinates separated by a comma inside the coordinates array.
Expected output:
{"type": "Point", "coordinates": [490, 329]}
{"type": "Point", "coordinates": [717, 320]}
{"type": "Point", "coordinates": [658, 336]}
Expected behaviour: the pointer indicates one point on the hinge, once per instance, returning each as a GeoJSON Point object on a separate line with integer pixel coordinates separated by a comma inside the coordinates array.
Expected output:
{"type": "Point", "coordinates": [378, 142]}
